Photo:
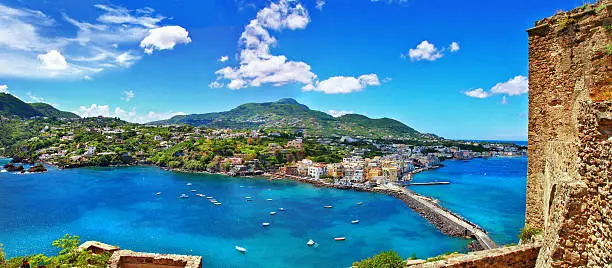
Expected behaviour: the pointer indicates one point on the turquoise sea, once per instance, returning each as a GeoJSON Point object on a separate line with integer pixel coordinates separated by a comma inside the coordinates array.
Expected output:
{"type": "Point", "coordinates": [120, 206]}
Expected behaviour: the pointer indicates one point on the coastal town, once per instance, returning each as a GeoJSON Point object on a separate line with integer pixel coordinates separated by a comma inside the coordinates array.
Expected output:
{"type": "Point", "coordinates": [339, 160]}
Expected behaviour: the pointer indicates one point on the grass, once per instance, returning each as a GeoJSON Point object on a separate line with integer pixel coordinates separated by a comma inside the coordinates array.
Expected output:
{"type": "Point", "coordinates": [527, 233]}
{"type": "Point", "coordinates": [441, 257]}
{"type": "Point", "coordinates": [608, 49]}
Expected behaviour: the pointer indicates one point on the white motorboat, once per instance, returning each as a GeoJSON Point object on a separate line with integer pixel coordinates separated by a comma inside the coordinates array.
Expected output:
{"type": "Point", "coordinates": [193, 191]}
{"type": "Point", "coordinates": [272, 212]}
{"type": "Point", "coordinates": [355, 222]}
{"type": "Point", "coordinates": [241, 249]}
{"type": "Point", "coordinates": [218, 203]}
{"type": "Point", "coordinates": [310, 243]}
{"type": "Point", "coordinates": [269, 199]}
{"type": "Point", "coordinates": [265, 224]}
{"type": "Point", "coordinates": [340, 238]}
{"type": "Point", "coordinates": [158, 193]}
{"type": "Point", "coordinates": [328, 206]}
{"type": "Point", "coordinates": [281, 209]}
{"type": "Point", "coordinates": [183, 196]}
{"type": "Point", "coordinates": [189, 184]}
{"type": "Point", "coordinates": [209, 197]}
{"type": "Point", "coordinates": [360, 203]}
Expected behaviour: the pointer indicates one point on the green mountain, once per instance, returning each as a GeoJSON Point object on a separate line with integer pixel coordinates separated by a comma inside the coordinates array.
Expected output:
{"type": "Point", "coordinates": [288, 114]}
{"type": "Point", "coordinates": [12, 106]}
{"type": "Point", "coordinates": [50, 111]}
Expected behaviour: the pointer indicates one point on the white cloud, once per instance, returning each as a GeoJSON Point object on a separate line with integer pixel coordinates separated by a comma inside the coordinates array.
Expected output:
{"type": "Point", "coordinates": [53, 60]}
{"type": "Point", "coordinates": [428, 51]}
{"type": "Point", "coordinates": [454, 46]}
{"type": "Point", "coordinates": [29, 37]}
{"type": "Point", "coordinates": [477, 93]}
{"type": "Point", "coordinates": [319, 4]}
{"type": "Point", "coordinates": [343, 84]}
{"type": "Point", "coordinates": [4, 89]}
{"type": "Point", "coordinates": [223, 58]}
{"type": "Point", "coordinates": [87, 77]}
{"type": "Point", "coordinates": [128, 115]}
{"type": "Point", "coordinates": [336, 113]}
{"type": "Point", "coordinates": [517, 85]}
{"type": "Point", "coordinates": [504, 101]}
{"type": "Point", "coordinates": [424, 51]}
{"type": "Point", "coordinates": [259, 66]}
{"type": "Point", "coordinates": [387, 79]}
{"type": "Point", "coordinates": [164, 38]}
{"type": "Point", "coordinates": [128, 95]}
{"type": "Point", "coordinates": [215, 84]}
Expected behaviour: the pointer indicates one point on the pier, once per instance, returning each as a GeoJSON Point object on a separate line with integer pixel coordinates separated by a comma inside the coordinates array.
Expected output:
{"type": "Point", "coordinates": [428, 183]}
{"type": "Point", "coordinates": [447, 221]}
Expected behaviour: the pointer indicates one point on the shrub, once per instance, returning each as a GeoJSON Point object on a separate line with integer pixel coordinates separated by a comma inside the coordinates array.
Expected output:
{"type": "Point", "coordinates": [387, 259]}
{"type": "Point", "coordinates": [609, 49]}
{"type": "Point", "coordinates": [527, 233]}
{"type": "Point", "coordinates": [441, 257]}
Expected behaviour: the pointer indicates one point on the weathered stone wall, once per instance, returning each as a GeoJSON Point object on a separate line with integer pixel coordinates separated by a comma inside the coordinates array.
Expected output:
{"type": "Point", "coordinates": [570, 123]}
{"type": "Point", "coordinates": [514, 256]}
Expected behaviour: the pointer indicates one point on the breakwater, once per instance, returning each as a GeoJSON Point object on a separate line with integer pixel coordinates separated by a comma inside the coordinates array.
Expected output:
{"type": "Point", "coordinates": [446, 221]}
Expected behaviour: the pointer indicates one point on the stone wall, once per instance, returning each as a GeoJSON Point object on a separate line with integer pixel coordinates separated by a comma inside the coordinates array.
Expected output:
{"type": "Point", "coordinates": [131, 259]}
{"type": "Point", "coordinates": [514, 256]}
{"type": "Point", "coordinates": [570, 123]}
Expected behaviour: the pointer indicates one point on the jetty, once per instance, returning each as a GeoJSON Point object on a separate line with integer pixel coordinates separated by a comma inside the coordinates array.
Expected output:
{"type": "Point", "coordinates": [428, 183]}
{"type": "Point", "coordinates": [447, 221]}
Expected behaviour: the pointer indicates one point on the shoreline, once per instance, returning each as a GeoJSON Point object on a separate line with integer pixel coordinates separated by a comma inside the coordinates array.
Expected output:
{"type": "Point", "coordinates": [446, 221]}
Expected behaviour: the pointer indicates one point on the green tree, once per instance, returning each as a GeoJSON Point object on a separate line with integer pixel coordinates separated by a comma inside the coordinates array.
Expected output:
{"type": "Point", "coordinates": [388, 259]}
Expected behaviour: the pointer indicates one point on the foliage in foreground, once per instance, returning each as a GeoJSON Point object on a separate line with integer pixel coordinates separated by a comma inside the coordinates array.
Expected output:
{"type": "Point", "coordinates": [388, 259]}
{"type": "Point", "coordinates": [527, 233]}
{"type": "Point", "coordinates": [69, 256]}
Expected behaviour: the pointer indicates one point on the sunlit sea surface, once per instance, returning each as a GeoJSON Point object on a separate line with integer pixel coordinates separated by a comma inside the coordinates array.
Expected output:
{"type": "Point", "coordinates": [120, 206]}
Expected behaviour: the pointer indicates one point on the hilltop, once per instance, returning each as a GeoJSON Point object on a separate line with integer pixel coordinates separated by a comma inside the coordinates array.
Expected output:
{"type": "Point", "coordinates": [288, 114]}
{"type": "Point", "coordinates": [13, 106]}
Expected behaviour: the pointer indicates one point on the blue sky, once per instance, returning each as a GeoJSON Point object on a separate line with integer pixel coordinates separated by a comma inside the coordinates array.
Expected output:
{"type": "Point", "coordinates": [454, 68]}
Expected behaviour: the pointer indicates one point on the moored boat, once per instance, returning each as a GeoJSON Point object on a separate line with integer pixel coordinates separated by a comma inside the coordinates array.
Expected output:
{"type": "Point", "coordinates": [355, 222]}
{"type": "Point", "coordinates": [241, 249]}
{"type": "Point", "coordinates": [272, 212]}
{"type": "Point", "coordinates": [328, 206]}
{"type": "Point", "coordinates": [340, 238]}
{"type": "Point", "coordinates": [265, 224]}
{"type": "Point", "coordinates": [281, 209]}
{"type": "Point", "coordinates": [360, 203]}
{"type": "Point", "coordinates": [183, 196]}
{"type": "Point", "coordinates": [310, 243]}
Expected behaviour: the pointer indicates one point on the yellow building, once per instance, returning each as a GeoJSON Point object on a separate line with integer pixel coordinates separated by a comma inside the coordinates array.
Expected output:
{"type": "Point", "coordinates": [391, 173]}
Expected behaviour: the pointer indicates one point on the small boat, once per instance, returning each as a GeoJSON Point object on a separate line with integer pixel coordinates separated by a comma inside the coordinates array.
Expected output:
{"type": "Point", "coordinates": [217, 203]}
{"type": "Point", "coordinates": [281, 209]}
{"type": "Point", "coordinates": [310, 243]}
{"type": "Point", "coordinates": [184, 196]}
{"type": "Point", "coordinates": [201, 195]}
{"type": "Point", "coordinates": [360, 203]}
{"type": "Point", "coordinates": [158, 193]}
{"type": "Point", "coordinates": [247, 197]}
{"type": "Point", "coordinates": [355, 222]}
{"type": "Point", "coordinates": [269, 199]}
{"type": "Point", "coordinates": [272, 212]}
{"type": "Point", "coordinates": [213, 200]}
{"type": "Point", "coordinates": [241, 249]}
{"type": "Point", "coordinates": [340, 238]}
{"type": "Point", "coordinates": [209, 197]}
{"type": "Point", "coordinates": [4, 170]}
{"type": "Point", "coordinates": [193, 191]}
{"type": "Point", "coordinates": [189, 184]}
{"type": "Point", "coordinates": [265, 224]}
{"type": "Point", "coordinates": [328, 206]}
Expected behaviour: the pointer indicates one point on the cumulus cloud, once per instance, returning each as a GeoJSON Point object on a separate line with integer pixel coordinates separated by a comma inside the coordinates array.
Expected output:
{"type": "Point", "coordinates": [343, 84]}
{"type": "Point", "coordinates": [515, 86]}
{"type": "Point", "coordinates": [477, 93]}
{"type": "Point", "coordinates": [53, 60]}
{"type": "Point", "coordinates": [336, 113]}
{"type": "Point", "coordinates": [215, 84]}
{"type": "Point", "coordinates": [106, 42]}
{"type": "Point", "coordinates": [454, 46]}
{"type": "Point", "coordinates": [319, 4]}
{"type": "Point", "coordinates": [428, 51]}
{"type": "Point", "coordinates": [259, 66]}
{"type": "Point", "coordinates": [424, 51]}
{"type": "Point", "coordinates": [130, 115]}
{"type": "Point", "coordinates": [164, 38]}
{"type": "Point", "coordinates": [128, 95]}
{"type": "Point", "coordinates": [4, 89]}
{"type": "Point", "coordinates": [223, 58]}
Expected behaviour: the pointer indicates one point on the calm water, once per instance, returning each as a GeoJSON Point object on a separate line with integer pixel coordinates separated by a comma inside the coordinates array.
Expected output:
{"type": "Point", "coordinates": [489, 192]}
{"type": "Point", "coordinates": [119, 206]}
